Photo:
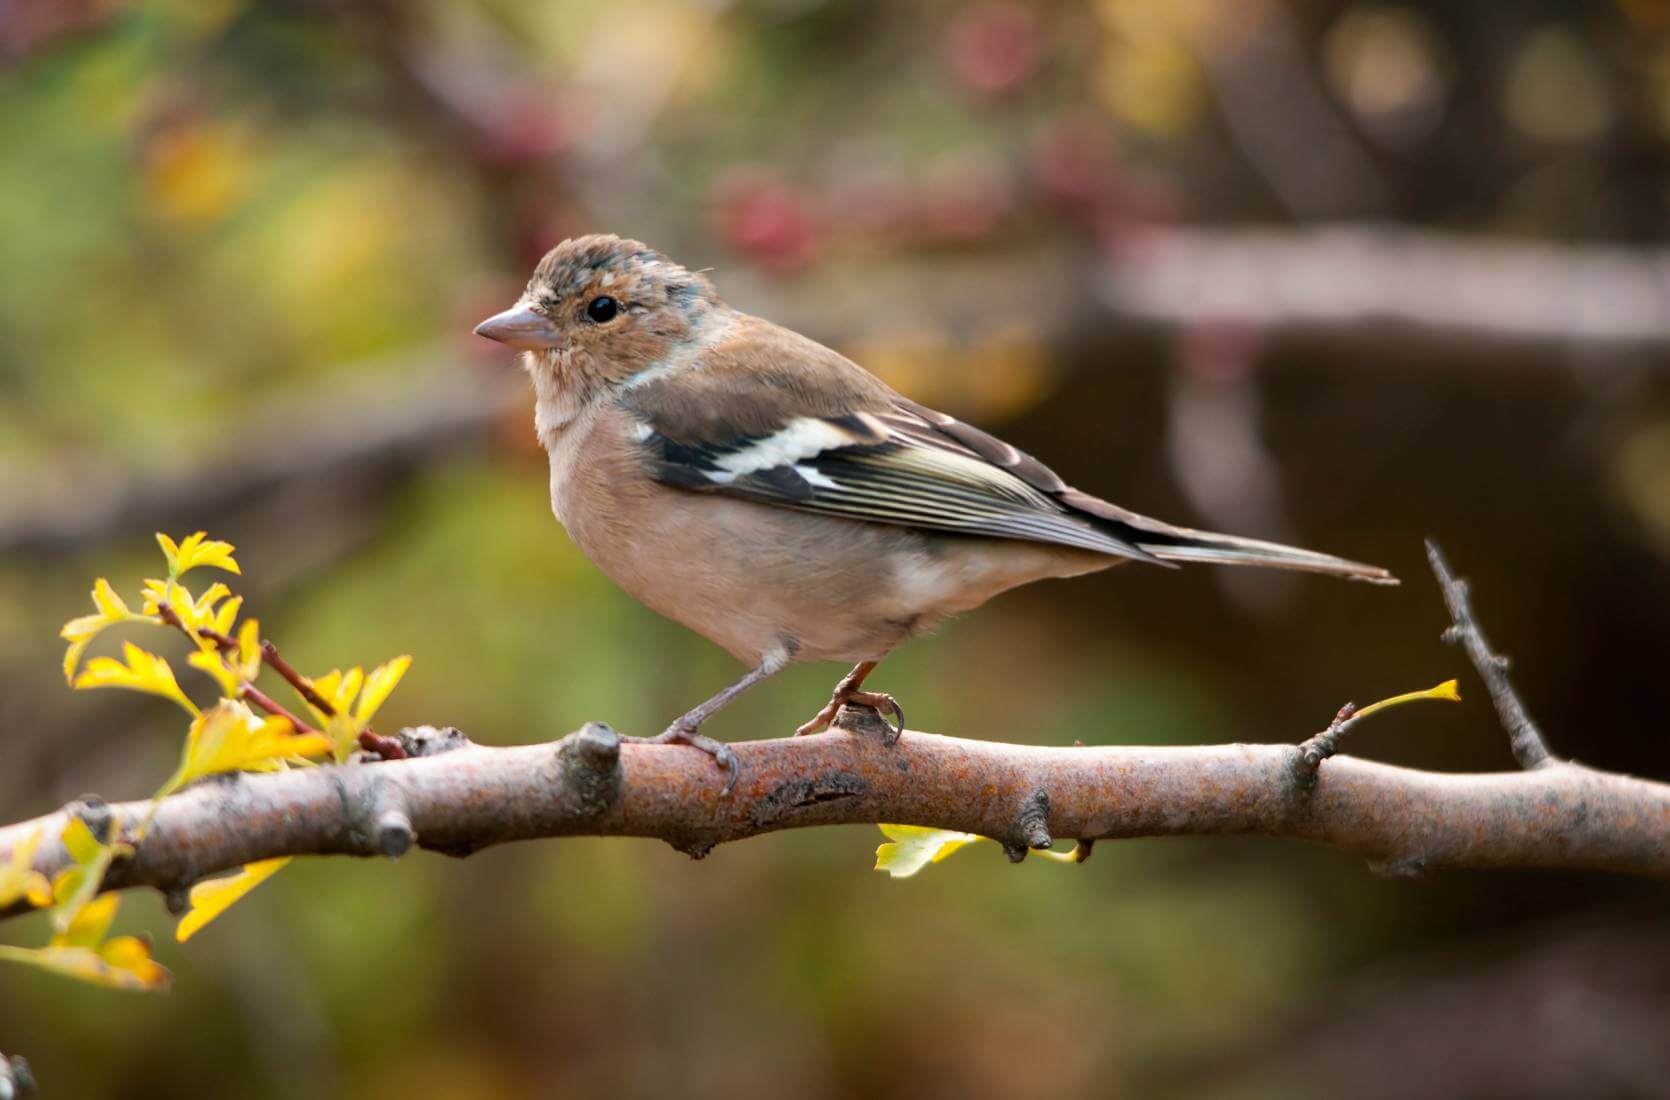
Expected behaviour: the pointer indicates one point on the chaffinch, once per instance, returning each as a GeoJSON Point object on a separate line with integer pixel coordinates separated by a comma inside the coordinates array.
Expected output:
{"type": "Point", "coordinates": [778, 499]}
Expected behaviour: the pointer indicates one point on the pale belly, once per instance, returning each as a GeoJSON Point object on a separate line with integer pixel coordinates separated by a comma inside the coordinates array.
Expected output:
{"type": "Point", "coordinates": [760, 580]}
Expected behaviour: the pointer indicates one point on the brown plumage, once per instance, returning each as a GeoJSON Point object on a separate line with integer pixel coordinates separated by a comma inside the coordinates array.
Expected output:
{"type": "Point", "coordinates": [775, 497]}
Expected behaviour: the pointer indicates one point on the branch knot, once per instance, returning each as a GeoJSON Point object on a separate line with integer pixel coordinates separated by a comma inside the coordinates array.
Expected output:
{"type": "Point", "coordinates": [1031, 828]}
{"type": "Point", "coordinates": [588, 766]}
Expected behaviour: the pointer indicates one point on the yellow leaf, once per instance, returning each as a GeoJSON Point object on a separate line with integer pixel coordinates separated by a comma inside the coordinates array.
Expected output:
{"type": "Point", "coordinates": [158, 592]}
{"type": "Point", "coordinates": [80, 631]}
{"type": "Point", "coordinates": [343, 731]}
{"type": "Point", "coordinates": [199, 550]}
{"type": "Point", "coordinates": [249, 649]}
{"type": "Point", "coordinates": [212, 898]}
{"type": "Point", "coordinates": [109, 604]}
{"type": "Point", "coordinates": [382, 680]}
{"type": "Point", "coordinates": [329, 688]}
{"type": "Point", "coordinates": [19, 879]}
{"type": "Point", "coordinates": [204, 609]}
{"type": "Point", "coordinates": [228, 614]}
{"type": "Point", "coordinates": [128, 971]}
{"type": "Point", "coordinates": [83, 628]}
{"type": "Point", "coordinates": [1446, 691]}
{"type": "Point", "coordinates": [910, 848]}
{"type": "Point", "coordinates": [170, 552]}
{"type": "Point", "coordinates": [78, 949]}
{"type": "Point", "coordinates": [193, 612]}
{"type": "Point", "coordinates": [139, 671]}
{"type": "Point", "coordinates": [1071, 855]}
{"type": "Point", "coordinates": [132, 955]}
{"type": "Point", "coordinates": [304, 746]}
{"type": "Point", "coordinates": [229, 737]}
{"type": "Point", "coordinates": [350, 687]}
{"type": "Point", "coordinates": [208, 660]}
{"type": "Point", "coordinates": [72, 657]}
{"type": "Point", "coordinates": [75, 887]}
{"type": "Point", "coordinates": [338, 688]}
{"type": "Point", "coordinates": [88, 926]}
{"type": "Point", "coordinates": [80, 842]}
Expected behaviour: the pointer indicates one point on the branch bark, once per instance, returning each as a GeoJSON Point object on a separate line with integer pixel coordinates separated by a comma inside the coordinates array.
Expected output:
{"type": "Point", "coordinates": [1403, 821]}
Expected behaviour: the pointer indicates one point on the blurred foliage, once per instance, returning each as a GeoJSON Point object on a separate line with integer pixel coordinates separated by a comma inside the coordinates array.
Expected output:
{"type": "Point", "coordinates": [228, 221]}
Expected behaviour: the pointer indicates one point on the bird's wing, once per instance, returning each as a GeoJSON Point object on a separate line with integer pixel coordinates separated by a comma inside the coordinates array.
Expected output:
{"type": "Point", "coordinates": [1148, 539]}
{"type": "Point", "coordinates": [773, 417]}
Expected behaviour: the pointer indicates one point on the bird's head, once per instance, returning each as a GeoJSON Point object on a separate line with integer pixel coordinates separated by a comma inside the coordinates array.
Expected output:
{"type": "Point", "coordinates": [600, 309]}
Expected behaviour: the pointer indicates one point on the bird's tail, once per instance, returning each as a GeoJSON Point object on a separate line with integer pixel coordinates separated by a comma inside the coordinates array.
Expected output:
{"type": "Point", "coordinates": [1149, 539]}
{"type": "Point", "coordinates": [1182, 544]}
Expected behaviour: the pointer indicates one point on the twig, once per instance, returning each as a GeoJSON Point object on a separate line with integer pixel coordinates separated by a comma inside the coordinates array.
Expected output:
{"type": "Point", "coordinates": [389, 748]}
{"type": "Point", "coordinates": [222, 642]}
{"type": "Point", "coordinates": [166, 612]}
{"type": "Point", "coordinates": [270, 656]}
{"type": "Point", "coordinates": [1529, 748]}
{"type": "Point", "coordinates": [272, 707]}
{"type": "Point", "coordinates": [386, 747]}
{"type": "Point", "coordinates": [1321, 746]}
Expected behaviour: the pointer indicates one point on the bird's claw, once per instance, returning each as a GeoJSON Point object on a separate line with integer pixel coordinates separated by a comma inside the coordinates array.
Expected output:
{"type": "Point", "coordinates": [678, 734]}
{"type": "Point", "coordinates": [878, 701]}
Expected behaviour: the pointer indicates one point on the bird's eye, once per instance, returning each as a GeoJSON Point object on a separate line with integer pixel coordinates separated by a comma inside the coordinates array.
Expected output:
{"type": "Point", "coordinates": [602, 309]}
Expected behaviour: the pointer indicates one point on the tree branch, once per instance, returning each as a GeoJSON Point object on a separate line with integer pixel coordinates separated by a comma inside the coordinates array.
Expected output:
{"type": "Point", "coordinates": [1528, 746]}
{"type": "Point", "coordinates": [450, 795]}
{"type": "Point", "coordinates": [1374, 281]}
{"type": "Point", "coordinates": [590, 784]}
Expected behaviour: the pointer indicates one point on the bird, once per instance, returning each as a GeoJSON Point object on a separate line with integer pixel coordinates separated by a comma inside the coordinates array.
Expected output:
{"type": "Point", "coordinates": [775, 497]}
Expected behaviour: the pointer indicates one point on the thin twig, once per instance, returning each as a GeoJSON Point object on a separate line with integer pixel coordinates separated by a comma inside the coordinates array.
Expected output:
{"type": "Point", "coordinates": [274, 708]}
{"type": "Point", "coordinates": [370, 740]}
{"type": "Point", "coordinates": [1321, 746]}
{"type": "Point", "coordinates": [166, 612]}
{"type": "Point", "coordinates": [222, 642]}
{"type": "Point", "coordinates": [270, 655]}
{"type": "Point", "coordinates": [1526, 739]}
{"type": "Point", "coordinates": [388, 748]}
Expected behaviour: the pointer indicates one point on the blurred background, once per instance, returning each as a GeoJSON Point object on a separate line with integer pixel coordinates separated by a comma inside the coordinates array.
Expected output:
{"type": "Point", "coordinates": [1343, 273]}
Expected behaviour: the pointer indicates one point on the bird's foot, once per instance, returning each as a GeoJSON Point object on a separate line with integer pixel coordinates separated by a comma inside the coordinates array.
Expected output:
{"type": "Point", "coordinates": [878, 701]}
{"type": "Point", "coordinates": [680, 734]}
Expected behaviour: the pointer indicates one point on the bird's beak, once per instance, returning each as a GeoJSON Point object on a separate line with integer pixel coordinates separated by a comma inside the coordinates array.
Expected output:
{"type": "Point", "coordinates": [520, 327]}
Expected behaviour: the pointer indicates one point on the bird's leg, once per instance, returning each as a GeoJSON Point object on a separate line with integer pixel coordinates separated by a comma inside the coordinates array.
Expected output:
{"type": "Point", "coordinates": [847, 691]}
{"type": "Point", "coordinates": [685, 730]}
